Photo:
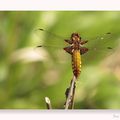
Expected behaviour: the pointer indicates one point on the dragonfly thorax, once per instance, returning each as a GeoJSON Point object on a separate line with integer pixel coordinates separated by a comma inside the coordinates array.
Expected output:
{"type": "Point", "coordinates": [76, 45]}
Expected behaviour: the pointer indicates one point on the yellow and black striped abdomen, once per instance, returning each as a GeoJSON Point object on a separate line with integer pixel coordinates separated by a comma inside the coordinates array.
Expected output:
{"type": "Point", "coordinates": [76, 63]}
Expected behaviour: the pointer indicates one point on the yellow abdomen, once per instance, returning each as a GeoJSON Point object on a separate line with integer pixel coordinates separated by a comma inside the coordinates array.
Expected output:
{"type": "Point", "coordinates": [76, 63]}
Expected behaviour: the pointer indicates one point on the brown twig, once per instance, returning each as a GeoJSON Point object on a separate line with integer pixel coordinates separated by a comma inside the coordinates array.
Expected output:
{"type": "Point", "coordinates": [72, 101]}
{"type": "Point", "coordinates": [48, 103]}
{"type": "Point", "coordinates": [70, 92]}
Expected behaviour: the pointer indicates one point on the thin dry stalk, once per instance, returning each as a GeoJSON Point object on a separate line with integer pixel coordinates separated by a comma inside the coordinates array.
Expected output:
{"type": "Point", "coordinates": [48, 103]}
{"type": "Point", "coordinates": [72, 101]}
{"type": "Point", "coordinates": [70, 96]}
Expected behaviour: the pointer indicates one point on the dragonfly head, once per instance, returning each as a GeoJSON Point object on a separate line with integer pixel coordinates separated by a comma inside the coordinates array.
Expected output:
{"type": "Point", "coordinates": [75, 37]}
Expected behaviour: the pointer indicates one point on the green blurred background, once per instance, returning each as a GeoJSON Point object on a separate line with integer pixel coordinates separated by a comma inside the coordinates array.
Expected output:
{"type": "Point", "coordinates": [26, 77]}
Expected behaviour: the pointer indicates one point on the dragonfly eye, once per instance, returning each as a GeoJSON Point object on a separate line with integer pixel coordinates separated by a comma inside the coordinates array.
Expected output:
{"type": "Point", "coordinates": [75, 36]}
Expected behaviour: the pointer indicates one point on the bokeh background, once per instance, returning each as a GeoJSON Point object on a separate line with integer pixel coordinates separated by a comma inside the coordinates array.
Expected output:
{"type": "Point", "coordinates": [29, 74]}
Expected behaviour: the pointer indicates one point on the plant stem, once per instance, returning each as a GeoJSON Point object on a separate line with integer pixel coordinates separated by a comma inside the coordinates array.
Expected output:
{"type": "Point", "coordinates": [70, 95]}
{"type": "Point", "coordinates": [48, 103]}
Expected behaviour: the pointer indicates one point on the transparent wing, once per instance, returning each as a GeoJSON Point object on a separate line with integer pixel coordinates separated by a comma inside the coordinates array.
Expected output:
{"type": "Point", "coordinates": [54, 54]}
{"type": "Point", "coordinates": [54, 59]}
{"type": "Point", "coordinates": [100, 47]}
{"type": "Point", "coordinates": [47, 38]}
{"type": "Point", "coordinates": [53, 45]}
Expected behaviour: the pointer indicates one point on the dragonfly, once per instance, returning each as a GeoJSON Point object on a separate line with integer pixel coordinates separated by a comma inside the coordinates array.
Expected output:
{"type": "Point", "coordinates": [77, 47]}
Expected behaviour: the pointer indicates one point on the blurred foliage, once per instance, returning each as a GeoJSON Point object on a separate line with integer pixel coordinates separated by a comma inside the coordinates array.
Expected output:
{"type": "Point", "coordinates": [26, 78]}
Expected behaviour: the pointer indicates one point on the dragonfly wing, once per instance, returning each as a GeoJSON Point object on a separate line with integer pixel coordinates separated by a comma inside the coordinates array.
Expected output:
{"type": "Point", "coordinates": [99, 48]}
{"type": "Point", "coordinates": [53, 53]}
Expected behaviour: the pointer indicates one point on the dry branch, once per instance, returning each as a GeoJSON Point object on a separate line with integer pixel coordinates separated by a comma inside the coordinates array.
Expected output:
{"type": "Point", "coordinates": [70, 92]}
{"type": "Point", "coordinates": [48, 103]}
